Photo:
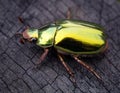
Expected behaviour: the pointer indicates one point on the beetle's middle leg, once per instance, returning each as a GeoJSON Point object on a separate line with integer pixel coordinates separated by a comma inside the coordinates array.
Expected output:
{"type": "Point", "coordinates": [67, 68]}
{"type": "Point", "coordinates": [87, 67]}
{"type": "Point", "coordinates": [42, 57]}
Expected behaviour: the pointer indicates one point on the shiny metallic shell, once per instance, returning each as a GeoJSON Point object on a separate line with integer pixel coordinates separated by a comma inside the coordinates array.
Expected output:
{"type": "Point", "coordinates": [79, 37]}
{"type": "Point", "coordinates": [71, 37]}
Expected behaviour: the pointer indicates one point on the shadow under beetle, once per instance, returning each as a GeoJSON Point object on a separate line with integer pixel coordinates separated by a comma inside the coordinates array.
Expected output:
{"type": "Point", "coordinates": [72, 37]}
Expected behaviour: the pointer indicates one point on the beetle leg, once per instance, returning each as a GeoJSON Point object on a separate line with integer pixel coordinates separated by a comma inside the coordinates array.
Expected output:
{"type": "Point", "coordinates": [42, 57]}
{"type": "Point", "coordinates": [87, 67]}
{"type": "Point", "coordinates": [67, 68]}
{"type": "Point", "coordinates": [68, 13]}
{"type": "Point", "coordinates": [106, 47]}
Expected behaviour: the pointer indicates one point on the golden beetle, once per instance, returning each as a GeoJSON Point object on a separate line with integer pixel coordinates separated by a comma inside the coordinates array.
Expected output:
{"type": "Point", "coordinates": [72, 37]}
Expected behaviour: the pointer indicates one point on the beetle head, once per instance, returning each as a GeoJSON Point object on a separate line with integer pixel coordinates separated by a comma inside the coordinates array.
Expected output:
{"type": "Point", "coordinates": [28, 35]}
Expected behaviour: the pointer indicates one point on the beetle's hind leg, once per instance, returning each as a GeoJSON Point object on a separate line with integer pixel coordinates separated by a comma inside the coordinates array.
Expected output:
{"type": "Point", "coordinates": [67, 68]}
{"type": "Point", "coordinates": [69, 13]}
{"type": "Point", "coordinates": [87, 67]}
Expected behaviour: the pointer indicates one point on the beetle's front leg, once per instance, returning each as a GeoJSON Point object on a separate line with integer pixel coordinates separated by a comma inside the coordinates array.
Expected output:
{"type": "Point", "coordinates": [42, 57]}
{"type": "Point", "coordinates": [87, 67]}
{"type": "Point", "coordinates": [67, 68]}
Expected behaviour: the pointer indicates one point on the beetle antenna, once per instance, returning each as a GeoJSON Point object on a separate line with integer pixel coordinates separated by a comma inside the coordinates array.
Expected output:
{"type": "Point", "coordinates": [23, 22]}
{"type": "Point", "coordinates": [19, 34]}
{"type": "Point", "coordinates": [22, 41]}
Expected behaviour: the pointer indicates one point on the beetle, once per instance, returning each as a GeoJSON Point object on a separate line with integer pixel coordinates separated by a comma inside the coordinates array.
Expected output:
{"type": "Point", "coordinates": [68, 37]}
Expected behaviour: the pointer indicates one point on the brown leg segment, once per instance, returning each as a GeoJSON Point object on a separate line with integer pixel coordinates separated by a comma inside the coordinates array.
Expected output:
{"type": "Point", "coordinates": [67, 68]}
{"type": "Point", "coordinates": [106, 47]}
{"type": "Point", "coordinates": [68, 14]}
{"type": "Point", "coordinates": [87, 67]}
{"type": "Point", "coordinates": [43, 56]}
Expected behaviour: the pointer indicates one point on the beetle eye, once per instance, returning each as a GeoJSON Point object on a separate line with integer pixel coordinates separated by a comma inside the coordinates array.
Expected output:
{"type": "Point", "coordinates": [33, 39]}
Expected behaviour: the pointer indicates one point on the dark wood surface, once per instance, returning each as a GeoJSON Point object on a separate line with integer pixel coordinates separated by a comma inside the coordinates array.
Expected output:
{"type": "Point", "coordinates": [17, 61]}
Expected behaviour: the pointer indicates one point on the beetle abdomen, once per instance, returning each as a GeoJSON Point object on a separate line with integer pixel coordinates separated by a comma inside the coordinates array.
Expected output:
{"type": "Point", "coordinates": [76, 38]}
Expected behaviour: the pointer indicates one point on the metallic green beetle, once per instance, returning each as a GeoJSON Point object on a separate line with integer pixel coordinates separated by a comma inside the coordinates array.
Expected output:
{"type": "Point", "coordinates": [72, 37]}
